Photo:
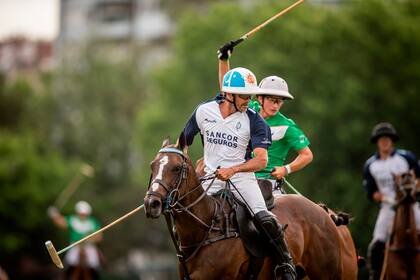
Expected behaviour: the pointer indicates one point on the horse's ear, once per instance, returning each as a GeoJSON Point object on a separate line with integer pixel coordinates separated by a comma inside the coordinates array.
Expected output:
{"type": "Point", "coordinates": [397, 178]}
{"type": "Point", "coordinates": [166, 142]}
{"type": "Point", "coordinates": [413, 174]}
{"type": "Point", "coordinates": [182, 143]}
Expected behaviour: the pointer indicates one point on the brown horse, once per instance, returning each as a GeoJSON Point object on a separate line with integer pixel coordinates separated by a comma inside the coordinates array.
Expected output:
{"type": "Point", "coordinates": [402, 260]}
{"type": "Point", "coordinates": [313, 238]}
{"type": "Point", "coordinates": [347, 248]}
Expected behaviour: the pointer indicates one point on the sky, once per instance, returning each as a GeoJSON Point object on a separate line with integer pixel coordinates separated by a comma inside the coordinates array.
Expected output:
{"type": "Point", "coordinates": [35, 19]}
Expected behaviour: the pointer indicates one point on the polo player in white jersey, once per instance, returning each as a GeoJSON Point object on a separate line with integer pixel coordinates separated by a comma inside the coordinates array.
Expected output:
{"type": "Point", "coordinates": [378, 181]}
{"type": "Point", "coordinates": [230, 132]}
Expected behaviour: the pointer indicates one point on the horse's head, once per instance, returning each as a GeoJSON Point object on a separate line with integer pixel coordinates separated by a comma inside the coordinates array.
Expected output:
{"type": "Point", "coordinates": [406, 187]}
{"type": "Point", "coordinates": [170, 169]}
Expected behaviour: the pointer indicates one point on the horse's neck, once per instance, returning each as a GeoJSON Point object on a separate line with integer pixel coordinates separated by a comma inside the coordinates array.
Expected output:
{"type": "Point", "coordinates": [405, 232]}
{"type": "Point", "coordinates": [189, 228]}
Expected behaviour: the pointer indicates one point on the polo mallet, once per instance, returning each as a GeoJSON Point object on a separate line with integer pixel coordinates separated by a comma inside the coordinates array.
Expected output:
{"type": "Point", "coordinates": [262, 25]}
{"type": "Point", "coordinates": [55, 255]}
{"type": "Point", "coordinates": [87, 171]}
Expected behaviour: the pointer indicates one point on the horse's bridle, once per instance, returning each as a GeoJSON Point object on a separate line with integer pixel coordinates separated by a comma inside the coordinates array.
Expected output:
{"type": "Point", "coordinates": [407, 192]}
{"type": "Point", "coordinates": [172, 203]}
{"type": "Point", "coordinates": [172, 200]}
{"type": "Point", "coordinates": [182, 176]}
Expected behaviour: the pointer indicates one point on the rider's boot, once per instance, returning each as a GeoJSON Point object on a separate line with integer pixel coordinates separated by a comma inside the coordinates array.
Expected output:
{"type": "Point", "coordinates": [274, 232]}
{"type": "Point", "coordinates": [375, 259]}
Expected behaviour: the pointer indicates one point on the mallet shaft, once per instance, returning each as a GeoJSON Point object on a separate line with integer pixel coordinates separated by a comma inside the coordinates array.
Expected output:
{"type": "Point", "coordinates": [101, 230]}
{"type": "Point", "coordinates": [262, 25]}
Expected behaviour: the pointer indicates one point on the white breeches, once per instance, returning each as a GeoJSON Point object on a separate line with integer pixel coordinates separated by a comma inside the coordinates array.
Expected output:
{"type": "Point", "coordinates": [385, 220]}
{"type": "Point", "coordinates": [91, 253]}
{"type": "Point", "coordinates": [247, 185]}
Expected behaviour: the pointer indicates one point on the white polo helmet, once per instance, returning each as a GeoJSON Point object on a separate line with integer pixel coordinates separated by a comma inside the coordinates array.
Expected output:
{"type": "Point", "coordinates": [83, 208]}
{"type": "Point", "coordinates": [240, 81]}
{"type": "Point", "coordinates": [275, 86]}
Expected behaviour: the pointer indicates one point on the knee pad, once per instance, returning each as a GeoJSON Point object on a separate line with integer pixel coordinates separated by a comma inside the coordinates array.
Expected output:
{"type": "Point", "coordinates": [268, 222]}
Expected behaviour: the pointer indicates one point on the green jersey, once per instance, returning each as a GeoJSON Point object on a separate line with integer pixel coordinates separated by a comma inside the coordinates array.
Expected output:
{"type": "Point", "coordinates": [79, 228]}
{"type": "Point", "coordinates": [285, 135]}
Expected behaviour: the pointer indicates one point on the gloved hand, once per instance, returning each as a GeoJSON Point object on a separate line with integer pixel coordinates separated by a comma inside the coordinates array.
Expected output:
{"type": "Point", "coordinates": [52, 212]}
{"type": "Point", "coordinates": [388, 200]}
{"type": "Point", "coordinates": [226, 51]}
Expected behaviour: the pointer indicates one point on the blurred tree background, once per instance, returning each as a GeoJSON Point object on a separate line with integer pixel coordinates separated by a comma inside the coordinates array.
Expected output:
{"type": "Point", "coordinates": [349, 66]}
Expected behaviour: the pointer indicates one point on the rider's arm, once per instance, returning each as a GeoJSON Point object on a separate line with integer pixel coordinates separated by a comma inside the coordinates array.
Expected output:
{"type": "Point", "coordinates": [58, 219]}
{"type": "Point", "coordinates": [369, 183]}
{"type": "Point", "coordinates": [191, 128]}
{"type": "Point", "coordinates": [303, 158]}
{"type": "Point", "coordinates": [258, 162]}
{"type": "Point", "coordinates": [223, 55]}
{"type": "Point", "coordinates": [377, 196]}
{"type": "Point", "coordinates": [223, 69]}
{"type": "Point", "coordinates": [97, 238]}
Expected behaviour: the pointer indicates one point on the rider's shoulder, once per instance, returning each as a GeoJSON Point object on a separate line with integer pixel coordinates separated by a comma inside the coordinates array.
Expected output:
{"type": "Point", "coordinates": [211, 105]}
{"type": "Point", "coordinates": [370, 160]}
{"type": "Point", "coordinates": [287, 121]}
{"type": "Point", "coordinates": [251, 111]}
{"type": "Point", "coordinates": [405, 153]}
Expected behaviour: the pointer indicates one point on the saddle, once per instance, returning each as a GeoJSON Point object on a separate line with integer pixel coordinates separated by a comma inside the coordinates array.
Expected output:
{"type": "Point", "coordinates": [241, 219]}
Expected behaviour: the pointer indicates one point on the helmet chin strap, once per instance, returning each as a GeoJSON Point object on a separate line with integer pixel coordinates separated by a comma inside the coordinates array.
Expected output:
{"type": "Point", "coordinates": [232, 102]}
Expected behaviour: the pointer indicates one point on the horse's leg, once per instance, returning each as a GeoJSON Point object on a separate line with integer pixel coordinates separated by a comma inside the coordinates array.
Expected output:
{"type": "Point", "coordinates": [225, 260]}
{"type": "Point", "coordinates": [75, 275]}
{"type": "Point", "coordinates": [416, 265]}
{"type": "Point", "coordinates": [86, 273]}
{"type": "Point", "coordinates": [348, 254]}
{"type": "Point", "coordinates": [396, 267]}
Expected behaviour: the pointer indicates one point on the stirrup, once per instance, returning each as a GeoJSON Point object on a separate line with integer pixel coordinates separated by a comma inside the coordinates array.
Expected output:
{"type": "Point", "coordinates": [285, 268]}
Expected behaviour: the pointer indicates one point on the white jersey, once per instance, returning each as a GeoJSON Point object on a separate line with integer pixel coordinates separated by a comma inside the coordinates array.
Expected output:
{"type": "Point", "coordinates": [378, 176]}
{"type": "Point", "coordinates": [378, 173]}
{"type": "Point", "coordinates": [227, 141]}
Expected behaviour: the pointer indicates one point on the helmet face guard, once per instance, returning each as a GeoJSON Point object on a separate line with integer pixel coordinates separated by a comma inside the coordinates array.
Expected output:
{"type": "Point", "coordinates": [383, 129]}
{"type": "Point", "coordinates": [240, 81]}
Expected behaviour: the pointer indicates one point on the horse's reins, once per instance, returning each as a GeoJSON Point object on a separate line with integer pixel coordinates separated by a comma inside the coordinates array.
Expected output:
{"type": "Point", "coordinates": [172, 203]}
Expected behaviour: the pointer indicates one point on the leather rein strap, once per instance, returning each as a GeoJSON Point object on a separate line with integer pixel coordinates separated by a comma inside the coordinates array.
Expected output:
{"type": "Point", "coordinates": [171, 202]}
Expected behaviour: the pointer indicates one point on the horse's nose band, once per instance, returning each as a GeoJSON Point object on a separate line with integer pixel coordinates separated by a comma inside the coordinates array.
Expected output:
{"type": "Point", "coordinates": [169, 197]}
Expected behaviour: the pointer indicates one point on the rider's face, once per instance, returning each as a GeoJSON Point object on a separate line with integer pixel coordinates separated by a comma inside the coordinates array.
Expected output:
{"type": "Point", "coordinates": [83, 216]}
{"type": "Point", "coordinates": [271, 104]}
{"type": "Point", "coordinates": [242, 101]}
{"type": "Point", "coordinates": [385, 144]}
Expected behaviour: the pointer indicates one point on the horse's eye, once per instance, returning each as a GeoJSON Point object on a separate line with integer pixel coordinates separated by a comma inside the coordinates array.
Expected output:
{"type": "Point", "coordinates": [177, 168]}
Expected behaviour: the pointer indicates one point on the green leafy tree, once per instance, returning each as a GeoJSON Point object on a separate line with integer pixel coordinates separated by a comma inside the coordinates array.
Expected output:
{"type": "Point", "coordinates": [31, 175]}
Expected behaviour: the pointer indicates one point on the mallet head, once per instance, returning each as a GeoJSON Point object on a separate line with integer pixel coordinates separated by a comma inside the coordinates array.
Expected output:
{"type": "Point", "coordinates": [53, 254]}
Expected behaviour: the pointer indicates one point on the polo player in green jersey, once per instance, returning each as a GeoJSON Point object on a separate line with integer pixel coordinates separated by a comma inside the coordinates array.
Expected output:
{"type": "Point", "coordinates": [78, 226]}
{"type": "Point", "coordinates": [286, 135]}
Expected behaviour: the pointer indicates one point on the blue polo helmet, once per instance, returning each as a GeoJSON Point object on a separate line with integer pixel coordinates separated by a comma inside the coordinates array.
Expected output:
{"type": "Point", "coordinates": [240, 81]}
